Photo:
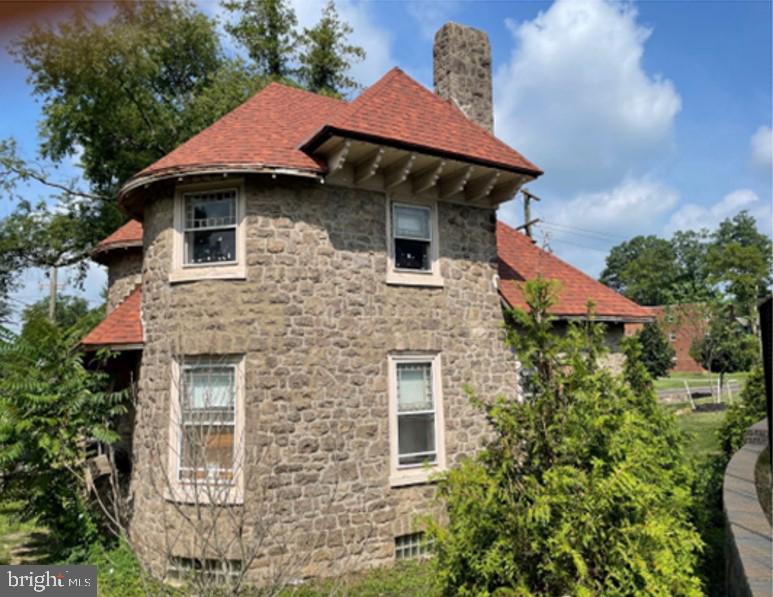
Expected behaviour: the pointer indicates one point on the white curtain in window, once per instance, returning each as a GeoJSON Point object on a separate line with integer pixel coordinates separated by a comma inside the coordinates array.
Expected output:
{"type": "Point", "coordinates": [414, 387]}
{"type": "Point", "coordinates": [412, 222]}
{"type": "Point", "coordinates": [210, 387]}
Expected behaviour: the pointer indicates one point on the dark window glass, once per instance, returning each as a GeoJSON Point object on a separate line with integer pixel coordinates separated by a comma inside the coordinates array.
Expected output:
{"type": "Point", "coordinates": [412, 254]}
{"type": "Point", "coordinates": [211, 246]}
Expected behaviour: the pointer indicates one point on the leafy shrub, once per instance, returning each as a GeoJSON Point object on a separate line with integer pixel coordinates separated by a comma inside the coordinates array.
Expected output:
{"type": "Point", "coordinates": [741, 415]}
{"type": "Point", "coordinates": [584, 488]}
{"type": "Point", "coordinates": [657, 352]}
{"type": "Point", "coordinates": [50, 406]}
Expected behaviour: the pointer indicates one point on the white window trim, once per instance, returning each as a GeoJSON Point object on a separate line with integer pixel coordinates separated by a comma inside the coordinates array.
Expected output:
{"type": "Point", "coordinates": [178, 491]}
{"type": "Point", "coordinates": [182, 272]}
{"type": "Point", "coordinates": [399, 277]}
{"type": "Point", "coordinates": [414, 474]}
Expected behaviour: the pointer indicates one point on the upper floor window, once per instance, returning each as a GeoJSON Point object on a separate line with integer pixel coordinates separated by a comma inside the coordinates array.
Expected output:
{"type": "Point", "coordinates": [413, 244]}
{"type": "Point", "coordinates": [210, 240]}
{"type": "Point", "coordinates": [416, 417]}
{"type": "Point", "coordinates": [210, 227]}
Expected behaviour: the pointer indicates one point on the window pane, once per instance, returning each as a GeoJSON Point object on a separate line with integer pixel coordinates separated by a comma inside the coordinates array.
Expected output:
{"type": "Point", "coordinates": [416, 435]}
{"type": "Point", "coordinates": [210, 210]}
{"type": "Point", "coordinates": [209, 388]}
{"type": "Point", "coordinates": [210, 246]}
{"type": "Point", "coordinates": [207, 452]}
{"type": "Point", "coordinates": [412, 222]}
{"type": "Point", "coordinates": [412, 254]}
{"type": "Point", "coordinates": [414, 387]}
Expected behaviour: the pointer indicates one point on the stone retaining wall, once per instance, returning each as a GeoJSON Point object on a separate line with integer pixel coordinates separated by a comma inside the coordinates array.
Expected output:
{"type": "Point", "coordinates": [748, 544]}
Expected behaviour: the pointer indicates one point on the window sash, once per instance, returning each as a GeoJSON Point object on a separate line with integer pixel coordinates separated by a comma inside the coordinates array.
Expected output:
{"type": "Point", "coordinates": [227, 223]}
{"type": "Point", "coordinates": [422, 413]}
{"type": "Point", "coordinates": [420, 235]}
{"type": "Point", "coordinates": [216, 422]}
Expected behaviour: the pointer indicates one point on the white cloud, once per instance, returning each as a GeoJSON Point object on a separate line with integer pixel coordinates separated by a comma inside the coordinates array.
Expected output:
{"type": "Point", "coordinates": [631, 207]}
{"type": "Point", "coordinates": [575, 98]}
{"type": "Point", "coordinates": [693, 216]}
{"type": "Point", "coordinates": [430, 16]}
{"type": "Point", "coordinates": [762, 148]}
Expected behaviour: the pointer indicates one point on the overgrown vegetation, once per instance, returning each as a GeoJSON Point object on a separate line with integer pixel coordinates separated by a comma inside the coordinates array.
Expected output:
{"type": "Point", "coordinates": [51, 407]}
{"type": "Point", "coordinates": [584, 488]}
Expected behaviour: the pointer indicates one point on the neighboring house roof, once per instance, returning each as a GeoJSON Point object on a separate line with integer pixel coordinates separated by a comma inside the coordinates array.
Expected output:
{"type": "Point", "coordinates": [277, 129]}
{"type": "Point", "coordinates": [521, 260]}
{"type": "Point", "coordinates": [122, 328]}
{"type": "Point", "coordinates": [399, 111]}
{"type": "Point", "coordinates": [127, 236]}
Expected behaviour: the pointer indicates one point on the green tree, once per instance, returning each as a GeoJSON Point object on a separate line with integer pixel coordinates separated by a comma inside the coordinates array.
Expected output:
{"type": "Point", "coordinates": [644, 269]}
{"type": "Point", "coordinates": [266, 29]}
{"type": "Point", "coordinates": [583, 488]}
{"type": "Point", "coordinates": [50, 407]}
{"type": "Point", "coordinates": [739, 260]}
{"type": "Point", "coordinates": [691, 250]}
{"type": "Point", "coordinates": [326, 56]}
{"type": "Point", "coordinates": [657, 353]}
{"type": "Point", "coordinates": [70, 311]}
{"type": "Point", "coordinates": [123, 93]}
{"type": "Point", "coordinates": [728, 345]}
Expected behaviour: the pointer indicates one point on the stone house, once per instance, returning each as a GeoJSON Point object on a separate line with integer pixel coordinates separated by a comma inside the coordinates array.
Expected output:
{"type": "Point", "coordinates": [303, 292]}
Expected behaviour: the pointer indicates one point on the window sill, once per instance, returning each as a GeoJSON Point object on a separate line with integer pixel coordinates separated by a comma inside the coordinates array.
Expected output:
{"type": "Point", "coordinates": [430, 280]}
{"type": "Point", "coordinates": [421, 476]}
{"type": "Point", "coordinates": [216, 272]}
{"type": "Point", "coordinates": [187, 495]}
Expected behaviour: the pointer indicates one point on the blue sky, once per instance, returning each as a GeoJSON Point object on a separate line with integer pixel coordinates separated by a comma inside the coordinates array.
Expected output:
{"type": "Point", "coordinates": [647, 117]}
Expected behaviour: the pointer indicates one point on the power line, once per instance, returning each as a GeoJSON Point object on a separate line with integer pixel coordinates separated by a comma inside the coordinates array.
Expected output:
{"type": "Point", "coordinates": [587, 231]}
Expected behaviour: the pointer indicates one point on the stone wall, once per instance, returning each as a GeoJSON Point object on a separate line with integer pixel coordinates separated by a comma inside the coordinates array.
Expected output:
{"type": "Point", "coordinates": [124, 272]}
{"type": "Point", "coordinates": [461, 58]}
{"type": "Point", "coordinates": [316, 322]}
{"type": "Point", "coordinates": [749, 537]}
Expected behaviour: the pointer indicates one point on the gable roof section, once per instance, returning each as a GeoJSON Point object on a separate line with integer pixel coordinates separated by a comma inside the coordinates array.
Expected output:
{"type": "Point", "coordinates": [263, 131]}
{"type": "Point", "coordinates": [127, 236]}
{"type": "Point", "coordinates": [121, 328]}
{"type": "Point", "coordinates": [521, 260]}
{"type": "Point", "coordinates": [399, 111]}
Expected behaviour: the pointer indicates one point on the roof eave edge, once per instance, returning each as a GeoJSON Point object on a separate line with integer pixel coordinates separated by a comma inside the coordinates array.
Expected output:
{"type": "Point", "coordinates": [328, 131]}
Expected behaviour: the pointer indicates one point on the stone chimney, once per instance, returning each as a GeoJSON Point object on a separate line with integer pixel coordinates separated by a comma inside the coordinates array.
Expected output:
{"type": "Point", "coordinates": [462, 71]}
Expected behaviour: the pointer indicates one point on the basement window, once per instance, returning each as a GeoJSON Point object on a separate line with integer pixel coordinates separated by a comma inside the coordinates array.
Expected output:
{"type": "Point", "coordinates": [216, 571]}
{"type": "Point", "coordinates": [411, 546]}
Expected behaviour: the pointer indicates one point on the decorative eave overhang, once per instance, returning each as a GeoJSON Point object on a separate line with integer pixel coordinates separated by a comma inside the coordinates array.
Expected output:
{"type": "Point", "coordinates": [596, 317]}
{"type": "Point", "coordinates": [368, 162]}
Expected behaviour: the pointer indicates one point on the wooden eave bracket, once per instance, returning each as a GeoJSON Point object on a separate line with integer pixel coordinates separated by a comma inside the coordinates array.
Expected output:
{"type": "Point", "coordinates": [481, 187]}
{"type": "Point", "coordinates": [455, 183]}
{"type": "Point", "coordinates": [337, 157]}
{"type": "Point", "coordinates": [368, 167]}
{"type": "Point", "coordinates": [397, 173]}
{"type": "Point", "coordinates": [428, 178]}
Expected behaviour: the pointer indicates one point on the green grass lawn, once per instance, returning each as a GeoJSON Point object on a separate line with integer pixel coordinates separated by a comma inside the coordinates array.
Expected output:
{"type": "Point", "coordinates": [702, 429]}
{"type": "Point", "coordinates": [675, 381]}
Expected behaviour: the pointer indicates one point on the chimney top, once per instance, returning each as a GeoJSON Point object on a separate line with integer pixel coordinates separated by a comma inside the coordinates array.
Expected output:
{"type": "Point", "coordinates": [462, 71]}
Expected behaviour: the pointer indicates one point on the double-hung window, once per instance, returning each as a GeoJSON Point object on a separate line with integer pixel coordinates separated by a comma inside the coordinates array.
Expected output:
{"type": "Point", "coordinates": [416, 417]}
{"type": "Point", "coordinates": [210, 227]}
{"type": "Point", "coordinates": [207, 428]}
{"type": "Point", "coordinates": [413, 244]}
{"type": "Point", "coordinates": [210, 239]}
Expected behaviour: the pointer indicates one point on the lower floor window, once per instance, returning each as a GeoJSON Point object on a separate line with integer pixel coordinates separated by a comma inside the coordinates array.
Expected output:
{"type": "Point", "coordinates": [411, 546]}
{"type": "Point", "coordinates": [415, 414]}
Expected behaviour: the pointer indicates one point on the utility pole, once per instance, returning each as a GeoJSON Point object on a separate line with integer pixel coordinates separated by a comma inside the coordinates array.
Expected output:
{"type": "Point", "coordinates": [527, 221]}
{"type": "Point", "coordinates": [52, 296]}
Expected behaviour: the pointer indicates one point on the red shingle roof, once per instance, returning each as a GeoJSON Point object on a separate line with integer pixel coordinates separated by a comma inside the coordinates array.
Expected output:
{"type": "Point", "coordinates": [520, 260]}
{"type": "Point", "coordinates": [128, 235]}
{"type": "Point", "coordinates": [279, 126]}
{"type": "Point", "coordinates": [264, 131]}
{"type": "Point", "coordinates": [398, 110]}
{"type": "Point", "coordinates": [122, 327]}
